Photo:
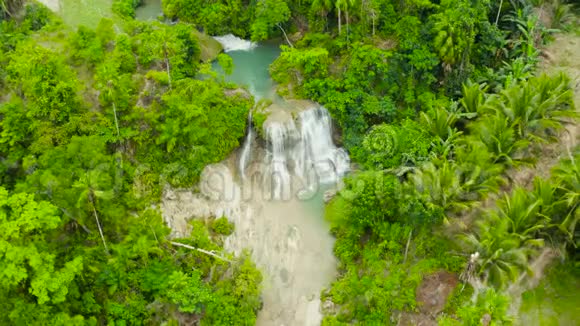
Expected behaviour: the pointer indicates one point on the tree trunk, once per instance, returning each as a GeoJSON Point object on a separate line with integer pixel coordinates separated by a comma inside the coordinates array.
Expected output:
{"type": "Point", "coordinates": [118, 132]}
{"type": "Point", "coordinates": [347, 25]}
{"type": "Point", "coordinates": [98, 222]}
{"type": "Point", "coordinates": [116, 121]}
{"type": "Point", "coordinates": [167, 65]}
{"type": "Point", "coordinates": [339, 22]}
{"type": "Point", "coordinates": [168, 74]}
{"type": "Point", "coordinates": [498, 12]}
{"type": "Point", "coordinates": [373, 19]}
{"type": "Point", "coordinates": [203, 251]}
{"type": "Point", "coordinates": [285, 36]}
{"type": "Point", "coordinates": [407, 247]}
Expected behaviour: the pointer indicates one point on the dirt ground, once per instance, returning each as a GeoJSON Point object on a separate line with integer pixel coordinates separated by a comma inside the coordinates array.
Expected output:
{"type": "Point", "coordinates": [432, 296]}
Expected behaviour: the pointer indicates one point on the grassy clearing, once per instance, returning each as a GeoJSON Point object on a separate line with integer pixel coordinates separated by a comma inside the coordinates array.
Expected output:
{"type": "Point", "coordinates": [555, 301]}
{"type": "Point", "coordinates": [85, 12]}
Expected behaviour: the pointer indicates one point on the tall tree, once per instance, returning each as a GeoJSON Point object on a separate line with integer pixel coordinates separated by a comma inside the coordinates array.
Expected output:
{"type": "Point", "coordinates": [270, 14]}
{"type": "Point", "coordinates": [29, 264]}
{"type": "Point", "coordinates": [501, 255]}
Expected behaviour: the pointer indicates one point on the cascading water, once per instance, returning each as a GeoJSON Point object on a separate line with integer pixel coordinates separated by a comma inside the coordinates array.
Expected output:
{"type": "Point", "coordinates": [279, 135]}
{"type": "Point", "coordinates": [246, 155]}
{"type": "Point", "coordinates": [307, 151]}
{"type": "Point", "coordinates": [316, 152]}
{"type": "Point", "coordinates": [233, 43]}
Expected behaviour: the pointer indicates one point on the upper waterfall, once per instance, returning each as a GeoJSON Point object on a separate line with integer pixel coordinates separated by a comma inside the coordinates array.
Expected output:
{"type": "Point", "coordinates": [231, 42]}
{"type": "Point", "coordinates": [316, 152]}
{"type": "Point", "coordinates": [301, 155]}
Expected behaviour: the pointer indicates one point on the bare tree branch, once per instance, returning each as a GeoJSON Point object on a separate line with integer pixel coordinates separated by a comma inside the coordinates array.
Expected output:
{"type": "Point", "coordinates": [200, 250]}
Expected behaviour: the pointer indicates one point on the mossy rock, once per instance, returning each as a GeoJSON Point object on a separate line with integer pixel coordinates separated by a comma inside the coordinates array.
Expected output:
{"type": "Point", "coordinates": [210, 48]}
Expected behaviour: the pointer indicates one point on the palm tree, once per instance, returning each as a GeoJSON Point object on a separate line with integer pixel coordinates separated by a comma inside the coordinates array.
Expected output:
{"type": "Point", "coordinates": [109, 75]}
{"type": "Point", "coordinates": [539, 108]}
{"type": "Point", "coordinates": [522, 210]}
{"type": "Point", "coordinates": [500, 138]}
{"type": "Point", "coordinates": [502, 257]}
{"type": "Point", "coordinates": [555, 98]}
{"type": "Point", "coordinates": [340, 4]}
{"type": "Point", "coordinates": [475, 100]}
{"type": "Point", "coordinates": [498, 12]}
{"type": "Point", "coordinates": [478, 163]}
{"type": "Point", "coordinates": [567, 176]}
{"type": "Point", "coordinates": [349, 4]}
{"type": "Point", "coordinates": [439, 122]}
{"type": "Point", "coordinates": [444, 184]}
{"type": "Point", "coordinates": [563, 14]}
{"type": "Point", "coordinates": [89, 192]}
{"type": "Point", "coordinates": [526, 24]}
{"type": "Point", "coordinates": [369, 8]}
{"type": "Point", "coordinates": [529, 111]}
{"type": "Point", "coordinates": [517, 71]}
{"type": "Point", "coordinates": [321, 6]}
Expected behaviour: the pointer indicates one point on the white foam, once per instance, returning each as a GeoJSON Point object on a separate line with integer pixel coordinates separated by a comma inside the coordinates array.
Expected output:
{"type": "Point", "coordinates": [231, 42]}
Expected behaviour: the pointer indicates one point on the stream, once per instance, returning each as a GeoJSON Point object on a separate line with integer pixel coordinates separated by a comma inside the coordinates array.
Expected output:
{"type": "Point", "coordinates": [149, 9]}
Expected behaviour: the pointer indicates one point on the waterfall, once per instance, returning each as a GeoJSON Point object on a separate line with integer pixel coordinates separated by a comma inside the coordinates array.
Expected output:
{"type": "Point", "coordinates": [307, 151]}
{"type": "Point", "coordinates": [279, 135]}
{"type": "Point", "coordinates": [233, 43]}
{"type": "Point", "coordinates": [247, 149]}
{"type": "Point", "coordinates": [316, 153]}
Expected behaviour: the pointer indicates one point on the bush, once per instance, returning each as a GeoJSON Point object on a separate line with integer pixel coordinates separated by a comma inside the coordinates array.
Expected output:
{"type": "Point", "coordinates": [222, 226]}
{"type": "Point", "coordinates": [125, 8]}
{"type": "Point", "coordinates": [389, 146]}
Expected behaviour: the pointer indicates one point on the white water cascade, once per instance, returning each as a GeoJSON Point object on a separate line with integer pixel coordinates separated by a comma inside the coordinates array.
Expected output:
{"type": "Point", "coordinates": [316, 152]}
{"type": "Point", "coordinates": [231, 42]}
{"type": "Point", "coordinates": [247, 149]}
{"type": "Point", "coordinates": [301, 155]}
{"type": "Point", "coordinates": [279, 136]}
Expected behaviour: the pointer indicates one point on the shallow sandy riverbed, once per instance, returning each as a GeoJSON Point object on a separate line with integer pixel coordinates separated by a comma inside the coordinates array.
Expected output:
{"type": "Point", "coordinates": [289, 242]}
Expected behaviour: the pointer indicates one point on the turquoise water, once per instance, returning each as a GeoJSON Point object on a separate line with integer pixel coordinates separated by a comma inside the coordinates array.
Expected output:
{"type": "Point", "coordinates": [251, 69]}
{"type": "Point", "coordinates": [148, 10]}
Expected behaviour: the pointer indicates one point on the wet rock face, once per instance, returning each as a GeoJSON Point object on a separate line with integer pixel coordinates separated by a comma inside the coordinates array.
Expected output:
{"type": "Point", "coordinates": [329, 194]}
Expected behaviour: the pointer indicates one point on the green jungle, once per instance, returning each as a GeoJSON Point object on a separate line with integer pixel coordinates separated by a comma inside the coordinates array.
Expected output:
{"type": "Point", "coordinates": [459, 118]}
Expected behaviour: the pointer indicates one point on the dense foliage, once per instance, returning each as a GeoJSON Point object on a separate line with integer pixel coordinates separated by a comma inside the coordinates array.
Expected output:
{"type": "Point", "coordinates": [93, 124]}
